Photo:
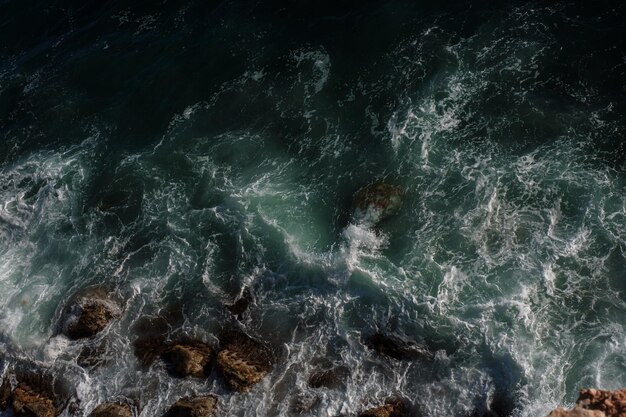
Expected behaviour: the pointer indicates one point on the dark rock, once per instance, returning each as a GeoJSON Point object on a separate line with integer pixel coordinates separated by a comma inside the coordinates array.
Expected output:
{"type": "Point", "coordinates": [5, 393]}
{"type": "Point", "coordinates": [148, 349]}
{"type": "Point", "coordinates": [201, 406]}
{"type": "Point", "coordinates": [391, 408]}
{"type": "Point", "coordinates": [112, 410]}
{"type": "Point", "coordinates": [91, 357]}
{"type": "Point", "coordinates": [241, 304]}
{"type": "Point", "coordinates": [376, 202]}
{"type": "Point", "coordinates": [396, 347]}
{"type": "Point", "coordinates": [88, 313]}
{"type": "Point", "coordinates": [303, 403]}
{"type": "Point", "coordinates": [28, 403]}
{"type": "Point", "coordinates": [191, 358]}
{"type": "Point", "coordinates": [242, 361]}
{"type": "Point", "coordinates": [328, 378]}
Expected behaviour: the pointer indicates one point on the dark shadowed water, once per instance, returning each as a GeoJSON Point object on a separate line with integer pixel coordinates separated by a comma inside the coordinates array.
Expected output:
{"type": "Point", "coordinates": [183, 151]}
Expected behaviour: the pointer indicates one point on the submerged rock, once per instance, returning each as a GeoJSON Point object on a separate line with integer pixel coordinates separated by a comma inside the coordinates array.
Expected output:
{"type": "Point", "coordinates": [396, 347]}
{"type": "Point", "coordinates": [391, 408]}
{"type": "Point", "coordinates": [27, 402]}
{"type": "Point", "coordinates": [191, 358]}
{"type": "Point", "coordinates": [328, 378]}
{"type": "Point", "coordinates": [88, 313]}
{"type": "Point", "coordinates": [242, 361]}
{"type": "Point", "coordinates": [241, 304]}
{"type": "Point", "coordinates": [201, 406]}
{"type": "Point", "coordinates": [112, 410]}
{"type": "Point", "coordinates": [376, 202]}
{"type": "Point", "coordinates": [596, 403]}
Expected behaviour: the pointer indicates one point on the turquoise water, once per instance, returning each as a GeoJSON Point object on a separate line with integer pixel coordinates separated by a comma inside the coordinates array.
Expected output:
{"type": "Point", "coordinates": [183, 153]}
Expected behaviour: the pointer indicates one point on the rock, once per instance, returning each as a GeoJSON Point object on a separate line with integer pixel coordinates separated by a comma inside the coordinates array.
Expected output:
{"type": "Point", "coordinates": [28, 403]}
{"type": "Point", "coordinates": [596, 403]}
{"type": "Point", "coordinates": [93, 356]}
{"type": "Point", "coordinates": [328, 378]}
{"type": "Point", "coordinates": [191, 358]}
{"type": "Point", "coordinates": [612, 403]}
{"type": "Point", "coordinates": [376, 202]}
{"type": "Point", "coordinates": [396, 347]}
{"type": "Point", "coordinates": [88, 313]}
{"type": "Point", "coordinates": [201, 406]}
{"type": "Point", "coordinates": [5, 393]}
{"type": "Point", "coordinates": [242, 361]}
{"type": "Point", "coordinates": [112, 410]}
{"type": "Point", "coordinates": [576, 412]}
{"type": "Point", "coordinates": [303, 403]}
{"type": "Point", "coordinates": [241, 304]}
{"type": "Point", "coordinates": [391, 408]}
{"type": "Point", "coordinates": [148, 349]}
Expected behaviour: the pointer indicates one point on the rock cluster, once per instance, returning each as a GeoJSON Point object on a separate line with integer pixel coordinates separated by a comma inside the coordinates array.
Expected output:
{"type": "Point", "coordinates": [596, 403]}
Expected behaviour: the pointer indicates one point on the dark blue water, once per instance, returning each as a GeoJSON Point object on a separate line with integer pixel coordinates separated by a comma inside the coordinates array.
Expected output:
{"type": "Point", "coordinates": [187, 152]}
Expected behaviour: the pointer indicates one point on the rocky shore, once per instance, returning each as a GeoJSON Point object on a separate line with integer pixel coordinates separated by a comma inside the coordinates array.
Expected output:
{"type": "Point", "coordinates": [238, 359]}
{"type": "Point", "coordinates": [596, 403]}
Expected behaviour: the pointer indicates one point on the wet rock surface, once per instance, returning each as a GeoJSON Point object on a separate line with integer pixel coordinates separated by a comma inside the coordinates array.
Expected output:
{"type": "Point", "coordinates": [376, 203]}
{"type": "Point", "coordinates": [596, 403]}
{"type": "Point", "coordinates": [187, 357]}
{"type": "Point", "coordinates": [26, 402]}
{"type": "Point", "coordinates": [333, 378]}
{"type": "Point", "coordinates": [242, 361]}
{"type": "Point", "coordinates": [88, 313]}
{"type": "Point", "coordinates": [190, 358]}
{"type": "Point", "coordinates": [200, 406]}
{"type": "Point", "coordinates": [391, 408]}
{"type": "Point", "coordinates": [396, 347]}
{"type": "Point", "coordinates": [112, 410]}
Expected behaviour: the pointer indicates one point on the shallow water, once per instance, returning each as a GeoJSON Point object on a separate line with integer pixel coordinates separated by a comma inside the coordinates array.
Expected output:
{"type": "Point", "coordinates": [181, 152]}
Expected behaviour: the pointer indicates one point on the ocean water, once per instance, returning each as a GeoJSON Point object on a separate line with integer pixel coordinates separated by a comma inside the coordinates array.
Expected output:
{"type": "Point", "coordinates": [183, 153]}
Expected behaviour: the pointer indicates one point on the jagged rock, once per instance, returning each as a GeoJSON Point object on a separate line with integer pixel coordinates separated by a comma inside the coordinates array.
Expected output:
{"type": "Point", "coordinates": [391, 408]}
{"type": "Point", "coordinates": [88, 313]}
{"type": "Point", "coordinates": [612, 403]}
{"type": "Point", "coordinates": [376, 202]}
{"type": "Point", "coordinates": [201, 406]}
{"type": "Point", "coordinates": [396, 347]}
{"type": "Point", "coordinates": [182, 358]}
{"type": "Point", "coordinates": [596, 403]}
{"type": "Point", "coordinates": [112, 410]}
{"type": "Point", "coordinates": [28, 403]}
{"type": "Point", "coordinates": [242, 361]}
{"type": "Point", "coordinates": [576, 412]}
{"type": "Point", "coordinates": [192, 358]}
